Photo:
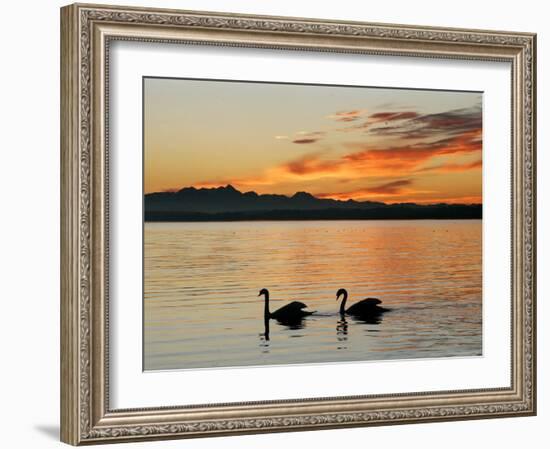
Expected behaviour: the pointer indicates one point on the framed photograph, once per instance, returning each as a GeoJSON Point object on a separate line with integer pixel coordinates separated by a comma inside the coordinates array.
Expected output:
{"type": "Point", "coordinates": [279, 224]}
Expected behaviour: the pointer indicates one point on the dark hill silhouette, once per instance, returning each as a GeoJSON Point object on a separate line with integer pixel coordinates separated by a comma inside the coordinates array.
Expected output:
{"type": "Point", "coordinates": [227, 203]}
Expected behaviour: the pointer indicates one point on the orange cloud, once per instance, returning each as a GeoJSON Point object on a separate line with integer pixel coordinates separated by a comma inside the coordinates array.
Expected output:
{"type": "Point", "coordinates": [472, 199]}
{"type": "Point", "coordinates": [391, 162]}
{"type": "Point", "coordinates": [445, 137]}
{"type": "Point", "coordinates": [400, 188]}
{"type": "Point", "coordinates": [450, 168]}
{"type": "Point", "coordinates": [392, 116]}
{"type": "Point", "coordinates": [397, 160]}
{"type": "Point", "coordinates": [310, 163]}
{"type": "Point", "coordinates": [403, 195]}
{"type": "Point", "coordinates": [390, 187]}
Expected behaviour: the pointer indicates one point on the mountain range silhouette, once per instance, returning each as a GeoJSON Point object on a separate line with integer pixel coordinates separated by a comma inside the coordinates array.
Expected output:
{"type": "Point", "coordinates": [229, 204]}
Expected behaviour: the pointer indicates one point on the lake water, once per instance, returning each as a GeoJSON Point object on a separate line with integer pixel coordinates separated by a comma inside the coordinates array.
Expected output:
{"type": "Point", "coordinates": [201, 304]}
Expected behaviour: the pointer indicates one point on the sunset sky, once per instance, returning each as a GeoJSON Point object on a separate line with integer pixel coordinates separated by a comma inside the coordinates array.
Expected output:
{"type": "Point", "coordinates": [390, 145]}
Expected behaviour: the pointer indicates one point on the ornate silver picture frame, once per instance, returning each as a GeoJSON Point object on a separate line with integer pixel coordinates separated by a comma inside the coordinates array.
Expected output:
{"type": "Point", "coordinates": [87, 33]}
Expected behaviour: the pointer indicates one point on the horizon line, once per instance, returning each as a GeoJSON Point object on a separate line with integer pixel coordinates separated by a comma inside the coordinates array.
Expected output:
{"type": "Point", "coordinates": [230, 186]}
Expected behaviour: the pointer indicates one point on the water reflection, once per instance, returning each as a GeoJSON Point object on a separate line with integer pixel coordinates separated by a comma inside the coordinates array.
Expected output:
{"type": "Point", "coordinates": [371, 318]}
{"type": "Point", "coordinates": [264, 338]}
{"type": "Point", "coordinates": [342, 332]}
{"type": "Point", "coordinates": [293, 324]}
{"type": "Point", "coordinates": [266, 329]}
{"type": "Point", "coordinates": [201, 284]}
{"type": "Point", "coordinates": [342, 328]}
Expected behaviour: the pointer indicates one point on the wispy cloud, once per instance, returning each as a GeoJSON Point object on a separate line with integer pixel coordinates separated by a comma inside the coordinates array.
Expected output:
{"type": "Point", "coordinates": [305, 140]}
{"type": "Point", "coordinates": [306, 137]}
{"type": "Point", "coordinates": [411, 124]}
{"type": "Point", "coordinates": [451, 167]}
{"type": "Point", "coordinates": [390, 187]}
{"type": "Point", "coordinates": [391, 191]}
{"type": "Point", "coordinates": [392, 116]}
{"type": "Point", "coordinates": [311, 133]}
{"type": "Point", "coordinates": [347, 116]}
{"type": "Point", "coordinates": [310, 164]}
{"type": "Point", "coordinates": [452, 122]}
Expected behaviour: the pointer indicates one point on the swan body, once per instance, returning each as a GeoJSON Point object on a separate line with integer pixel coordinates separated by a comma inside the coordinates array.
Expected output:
{"type": "Point", "coordinates": [369, 307]}
{"type": "Point", "coordinates": [295, 308]}
{"type": "Point", "coordinates": [289, 313]}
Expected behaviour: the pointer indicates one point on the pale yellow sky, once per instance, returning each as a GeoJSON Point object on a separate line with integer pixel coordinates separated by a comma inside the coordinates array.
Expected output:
{"type": "Point", "coordinates": [390, 145]}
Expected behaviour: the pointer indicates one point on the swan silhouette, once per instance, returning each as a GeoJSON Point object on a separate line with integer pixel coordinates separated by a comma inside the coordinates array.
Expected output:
{"type": "Point", "coordinates": [367, 308]}
{"type": "Point", "coordinates": [289, 314]}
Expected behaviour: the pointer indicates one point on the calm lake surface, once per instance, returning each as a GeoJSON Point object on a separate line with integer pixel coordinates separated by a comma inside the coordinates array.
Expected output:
{"type": "Point", "coordinates": [201, 304]}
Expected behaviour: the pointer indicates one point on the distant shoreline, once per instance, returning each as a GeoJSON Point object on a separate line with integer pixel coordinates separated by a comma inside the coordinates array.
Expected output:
{"type": "Point", "coordinates": [229, 204]}
{"type": "Point", "coordinates": [236, 220]}
{"type": "Point", "coordinates": [436, 212]}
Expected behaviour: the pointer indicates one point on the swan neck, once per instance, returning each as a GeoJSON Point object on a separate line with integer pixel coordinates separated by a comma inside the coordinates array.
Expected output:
{"type": "Point", "coordinates": [343, 304]}
{"type": "Point", "coordinates": [267, 314]}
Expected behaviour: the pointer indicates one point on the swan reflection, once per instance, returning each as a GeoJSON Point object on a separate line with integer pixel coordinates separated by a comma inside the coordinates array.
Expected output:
{"type": "Point", "coordinates": [342, 332]}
